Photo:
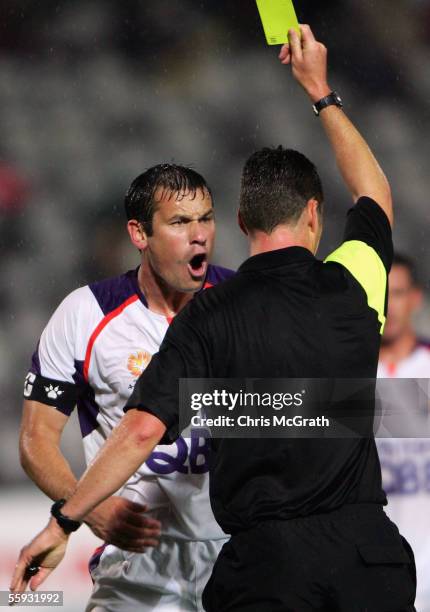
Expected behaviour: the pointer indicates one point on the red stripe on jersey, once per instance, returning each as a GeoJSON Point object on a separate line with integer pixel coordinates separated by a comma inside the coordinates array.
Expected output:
{"type": "Point", "coordinates": [95, 558]}
{"type": "Point", "coordinates": [100, 328]}
{"type": "Point", "coordinates": [169, 319]}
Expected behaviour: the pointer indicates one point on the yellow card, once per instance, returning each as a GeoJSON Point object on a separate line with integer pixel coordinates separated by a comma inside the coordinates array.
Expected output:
{"type": "Point", "coordinates": [277, 16]}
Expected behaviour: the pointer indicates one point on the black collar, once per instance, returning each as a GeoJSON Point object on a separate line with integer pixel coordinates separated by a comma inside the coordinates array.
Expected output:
{"type": "Point", "coordinates": [275, 259]}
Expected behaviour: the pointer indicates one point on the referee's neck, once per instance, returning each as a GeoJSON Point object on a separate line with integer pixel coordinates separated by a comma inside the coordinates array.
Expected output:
{"type": "Point", "coordinates": [304, 232]}
{"type": "Point", "coordinates": [282, 237]}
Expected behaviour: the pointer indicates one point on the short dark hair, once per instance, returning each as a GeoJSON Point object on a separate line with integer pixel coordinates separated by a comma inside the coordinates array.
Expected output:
{"type": "Point", "coordinates": [140, 203]}
{"type": "Point", "coordinates": [400, 259]}
{"type": "Point", "coordinates": [276, 185]}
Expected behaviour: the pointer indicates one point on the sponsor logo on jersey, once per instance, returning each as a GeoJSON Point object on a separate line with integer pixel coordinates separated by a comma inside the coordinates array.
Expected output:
{"type": "Point", "coordinates": [28, 384]}
{"type": "Point", "coordinates": [53, 392]}
{"type": "Point", "coordinates": [178, 457]}
{"type": "Point", "coordinates": [138, 362]}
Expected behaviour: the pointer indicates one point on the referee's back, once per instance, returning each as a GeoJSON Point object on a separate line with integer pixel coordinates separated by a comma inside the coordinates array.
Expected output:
{"type": "Point", "coordinates": [288, 315]}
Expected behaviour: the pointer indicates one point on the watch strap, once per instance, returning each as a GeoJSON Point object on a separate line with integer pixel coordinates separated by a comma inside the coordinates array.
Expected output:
{"type": "Point", "coordinates": [67, 524]}
{"type": "Point", "coordinates": [333, 98]}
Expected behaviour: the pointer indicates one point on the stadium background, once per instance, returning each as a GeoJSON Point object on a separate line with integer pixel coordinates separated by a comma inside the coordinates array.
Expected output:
{"type": "Point", "coordinates": [92, 93]}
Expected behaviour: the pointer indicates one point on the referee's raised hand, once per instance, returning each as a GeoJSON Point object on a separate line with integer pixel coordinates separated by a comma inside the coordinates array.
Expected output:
{"type": "Point", "coordinates": [358, 166]}
{"type": "Point", "coordinates": [308, 59]}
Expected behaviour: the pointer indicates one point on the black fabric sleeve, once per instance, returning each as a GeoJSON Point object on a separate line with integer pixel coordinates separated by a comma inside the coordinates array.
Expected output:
{"type": "Point", "coordinates": [367, 222]}
{"type": "Point", "coordinates": [182, 354]}
{"type": "Point", "coordinates": [62, 395]}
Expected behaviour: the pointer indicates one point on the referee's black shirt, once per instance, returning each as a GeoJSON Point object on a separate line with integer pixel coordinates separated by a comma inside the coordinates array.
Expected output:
{"type": "Point", "coordinates": [284, 315]}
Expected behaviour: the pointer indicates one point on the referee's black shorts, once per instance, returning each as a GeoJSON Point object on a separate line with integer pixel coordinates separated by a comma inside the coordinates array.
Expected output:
{"type": "Point", "coordinates": [352, 559]}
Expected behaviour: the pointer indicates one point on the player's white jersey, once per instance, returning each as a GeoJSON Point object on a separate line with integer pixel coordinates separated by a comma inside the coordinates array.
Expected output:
{"type": "Point", "coordinates": [405, 464]}
{"type": "Point", "coordinates": [96, 345]}
{"type": "Point", "coordinates": [416, 365]}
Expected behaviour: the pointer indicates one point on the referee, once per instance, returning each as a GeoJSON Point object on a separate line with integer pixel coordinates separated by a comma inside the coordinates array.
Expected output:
{"type": "Point", "coordinates": [306, 519]}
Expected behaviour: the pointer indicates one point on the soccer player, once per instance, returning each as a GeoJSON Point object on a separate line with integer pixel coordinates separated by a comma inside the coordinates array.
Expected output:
{"type": "Point", "coordinates": [91, 353]}
{"type": "Point", "coordinates": [306, 517]}
{"type": "Point", "coordinates": [405, 461]}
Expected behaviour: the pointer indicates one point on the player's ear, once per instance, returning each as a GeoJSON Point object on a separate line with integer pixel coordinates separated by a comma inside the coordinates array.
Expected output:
{"type": "Point", "coordinates": [241, 223]}
{"type": "Point", "coordinates": [137, 234]}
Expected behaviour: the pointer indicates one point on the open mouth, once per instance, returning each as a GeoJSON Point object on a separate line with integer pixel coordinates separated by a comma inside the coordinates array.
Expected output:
{"type": "Point", "coordinates": [198, 265]}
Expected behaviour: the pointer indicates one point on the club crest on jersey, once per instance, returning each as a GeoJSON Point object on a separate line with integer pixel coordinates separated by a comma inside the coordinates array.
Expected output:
{"type": "Point", "coordinates": [138, 362]}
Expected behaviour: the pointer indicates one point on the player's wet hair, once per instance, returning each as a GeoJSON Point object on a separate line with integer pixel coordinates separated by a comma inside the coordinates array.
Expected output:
{"type": "Point", "coordinates": [399, 259]}
{"type": "Point", "coordinates": [276, 185]}
{"type": "Point", "coordinates": [141, 199]}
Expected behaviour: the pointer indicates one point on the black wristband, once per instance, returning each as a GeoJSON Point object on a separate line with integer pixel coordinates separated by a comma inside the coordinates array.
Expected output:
{"type": "Point", "coordinates": [67, 524]}
{"type": "Point", "coordinates": [333, 98]}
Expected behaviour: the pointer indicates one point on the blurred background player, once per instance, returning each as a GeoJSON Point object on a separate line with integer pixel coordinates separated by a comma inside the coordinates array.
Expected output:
{"type": "Point", "coordinates": [403, 354]}
{"type": "Point", "coordinates": [97, 343]}
{"type": "Point", "coordinates": [405, 461]}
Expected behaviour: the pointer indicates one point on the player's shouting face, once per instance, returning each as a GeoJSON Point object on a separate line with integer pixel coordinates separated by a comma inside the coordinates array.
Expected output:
{"type": "Point", "coordinates": [181, 243]}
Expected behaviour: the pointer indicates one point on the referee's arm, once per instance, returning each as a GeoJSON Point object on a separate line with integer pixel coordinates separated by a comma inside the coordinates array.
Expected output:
{"type": "Point", "coordinates": [361, 172]}
{"type": "Point", "coordinates": [129, 445]}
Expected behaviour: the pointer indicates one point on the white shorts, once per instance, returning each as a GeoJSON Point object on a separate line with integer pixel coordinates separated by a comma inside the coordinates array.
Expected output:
{"type": "Point", "coordinates": [168, 578]}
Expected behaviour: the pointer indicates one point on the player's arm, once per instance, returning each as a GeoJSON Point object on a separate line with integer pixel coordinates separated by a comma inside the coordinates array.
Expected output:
{"type": "Point", "coordinates": [117, 521]}
{"type": "Point", "coordinates": [50, 395]}
{"type": "Point", "coordinates": [130, 444]}
{"type": "Point", "coordinates": [39, 447]}
{"type": "Point", "coordinates": [152, 414]}
{"type": "Point", "coordinates": [361, 172]}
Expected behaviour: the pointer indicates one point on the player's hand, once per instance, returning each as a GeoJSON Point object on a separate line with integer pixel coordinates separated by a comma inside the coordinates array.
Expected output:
{"type": "Point", "coordinates": [123, 523]}
{"type": "Point", "coordinates": [308, 59]}
{"type": "Point", "coordinates": [45, 551]}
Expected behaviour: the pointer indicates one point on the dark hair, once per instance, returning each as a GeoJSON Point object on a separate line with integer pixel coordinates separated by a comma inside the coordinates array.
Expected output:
{"type": "Point", "coordinates": [399, 259]}
{"type": "Point", "coordinates": [140, 200]}
{"type": "Point", "coordinates": [276, 185]}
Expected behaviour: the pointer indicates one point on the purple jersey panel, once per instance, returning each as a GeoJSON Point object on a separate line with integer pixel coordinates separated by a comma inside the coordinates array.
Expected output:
{"type": "Point", "coordinates": [112, 292]}
{"type": "Point", "coordinates": [217, 274]}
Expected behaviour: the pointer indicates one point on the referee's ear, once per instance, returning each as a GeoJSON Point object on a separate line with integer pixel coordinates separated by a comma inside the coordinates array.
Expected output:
{"type": "Point", "coordinates": [314, 214]}
{"type": "Point", "coordinates": [241, 223]}
{"type": "Point", "coordinates": [314, 222]}
{"type": "Point", "coordinates": [137, 234]}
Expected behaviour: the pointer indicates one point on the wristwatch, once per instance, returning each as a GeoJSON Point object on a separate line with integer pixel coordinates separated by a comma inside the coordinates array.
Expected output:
{"type": "Point", "coordinates": [67, 524]}
{"type": "Point", "coordinates": [332, 98]}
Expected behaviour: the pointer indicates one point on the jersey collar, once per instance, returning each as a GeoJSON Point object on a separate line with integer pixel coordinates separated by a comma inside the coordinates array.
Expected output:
{"type": "Point", "coordinates": [134, 279]}
{"type": "Point", "coordinates": [277, 258]}
{"type": "Point", "coordinates": [133, 275]}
